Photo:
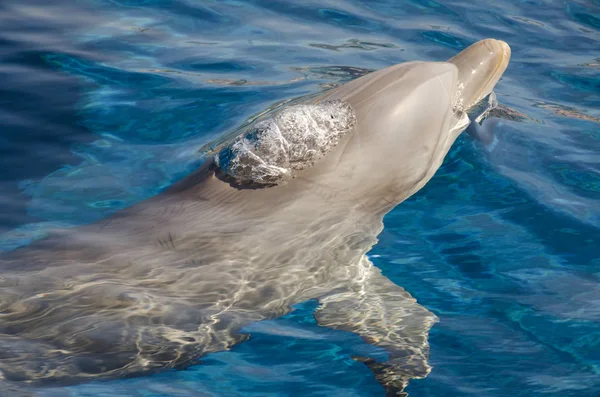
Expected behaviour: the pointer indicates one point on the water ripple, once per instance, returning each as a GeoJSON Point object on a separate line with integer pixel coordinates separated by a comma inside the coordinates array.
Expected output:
{"type": "Point", "coordinates": [106, 102]}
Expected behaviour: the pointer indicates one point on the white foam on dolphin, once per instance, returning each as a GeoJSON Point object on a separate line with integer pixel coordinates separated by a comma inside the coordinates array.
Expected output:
{"type": "Point", "coordinates": [292, 140]}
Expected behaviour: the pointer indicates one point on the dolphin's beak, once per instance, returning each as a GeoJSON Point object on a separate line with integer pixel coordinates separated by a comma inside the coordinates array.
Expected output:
{"type": "Point", "coordinates": [480, 66]}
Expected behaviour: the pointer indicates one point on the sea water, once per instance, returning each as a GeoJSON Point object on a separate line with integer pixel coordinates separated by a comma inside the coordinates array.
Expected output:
{"type": "Point", "coordinates": [104, 103]}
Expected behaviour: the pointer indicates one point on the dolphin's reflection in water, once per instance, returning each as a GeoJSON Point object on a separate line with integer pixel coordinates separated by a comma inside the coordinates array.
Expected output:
{"type": "Point", "coordinates": [271, 221]}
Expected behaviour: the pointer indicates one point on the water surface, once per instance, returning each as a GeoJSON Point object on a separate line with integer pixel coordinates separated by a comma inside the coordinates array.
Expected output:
{"type": "Point", "coordinates": [105, 102]}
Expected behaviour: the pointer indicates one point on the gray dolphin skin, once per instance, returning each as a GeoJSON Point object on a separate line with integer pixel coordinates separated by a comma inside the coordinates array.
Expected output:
{"type": "Point", "coordinates": [283, 213]}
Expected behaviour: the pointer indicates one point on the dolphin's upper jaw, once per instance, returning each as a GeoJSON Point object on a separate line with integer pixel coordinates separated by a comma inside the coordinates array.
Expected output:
{"type": "Point", "coordinates": [480, 66]}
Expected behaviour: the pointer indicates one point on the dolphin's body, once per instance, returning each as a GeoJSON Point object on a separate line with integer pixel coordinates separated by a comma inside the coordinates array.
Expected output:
{"type": "Point", "coordinates": [177, 276]}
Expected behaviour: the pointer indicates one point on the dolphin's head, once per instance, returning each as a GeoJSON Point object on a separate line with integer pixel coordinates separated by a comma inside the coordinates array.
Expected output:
{"type": "Point", "coordinates": [378, 138]}
{"type": "Point", "coordinates": [407, 117]}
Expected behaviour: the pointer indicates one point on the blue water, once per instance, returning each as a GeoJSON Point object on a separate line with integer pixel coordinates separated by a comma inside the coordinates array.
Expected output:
{"type": "Point", "coordinates": [106, 102]}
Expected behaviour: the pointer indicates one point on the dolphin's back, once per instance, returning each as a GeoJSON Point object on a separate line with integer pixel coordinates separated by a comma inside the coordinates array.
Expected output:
{"type": "Point", "coordinates": [171, 279]}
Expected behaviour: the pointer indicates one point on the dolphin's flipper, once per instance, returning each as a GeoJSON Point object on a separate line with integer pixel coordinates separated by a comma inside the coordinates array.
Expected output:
{"type": "Point", "coordinates": [385, 315]}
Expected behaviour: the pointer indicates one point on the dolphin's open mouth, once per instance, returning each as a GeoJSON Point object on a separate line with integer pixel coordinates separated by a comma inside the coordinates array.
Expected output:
{"type": "Point", "coordinates": [481, 109]}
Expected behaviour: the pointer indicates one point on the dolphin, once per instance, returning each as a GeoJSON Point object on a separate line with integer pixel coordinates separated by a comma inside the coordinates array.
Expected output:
{"type": "Point", "coordinates": [284, 212]}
